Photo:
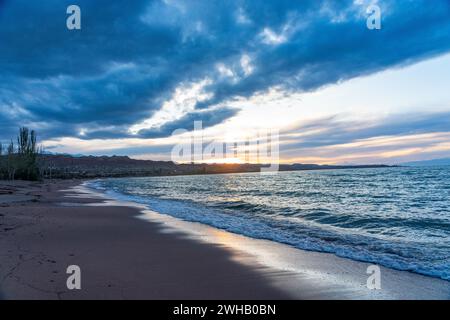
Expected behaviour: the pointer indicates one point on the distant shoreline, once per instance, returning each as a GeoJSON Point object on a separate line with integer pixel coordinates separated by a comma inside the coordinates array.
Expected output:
{"type": "Point", "coordinates": [89, 167]}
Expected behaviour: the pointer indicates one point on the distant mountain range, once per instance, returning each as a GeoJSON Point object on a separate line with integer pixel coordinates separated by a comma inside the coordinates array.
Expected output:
{"type": "Point", "coordinates": [428, 163]}
{"type": "Point", "coordinates": [68, 166]}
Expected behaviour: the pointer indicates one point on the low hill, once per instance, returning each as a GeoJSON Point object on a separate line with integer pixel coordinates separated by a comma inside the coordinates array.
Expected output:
{"type": "Point", "coordinates": [66, 166]}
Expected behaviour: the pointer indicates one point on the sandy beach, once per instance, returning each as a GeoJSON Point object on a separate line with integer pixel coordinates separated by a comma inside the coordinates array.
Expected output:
{"type": "Point", "coordinates": [127, 252]}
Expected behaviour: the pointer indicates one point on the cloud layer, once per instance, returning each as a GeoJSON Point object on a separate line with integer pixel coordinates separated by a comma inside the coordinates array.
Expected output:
{"type": "Point", "coordinates": [129, 59]}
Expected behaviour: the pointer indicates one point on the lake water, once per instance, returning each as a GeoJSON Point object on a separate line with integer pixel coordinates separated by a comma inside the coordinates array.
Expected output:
{"type": "Point", "coordinates": [396, 217]}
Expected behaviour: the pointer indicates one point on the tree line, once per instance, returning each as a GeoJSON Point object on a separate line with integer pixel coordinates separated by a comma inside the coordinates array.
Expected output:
{"type": "Point", "coordinates": [19, 160]}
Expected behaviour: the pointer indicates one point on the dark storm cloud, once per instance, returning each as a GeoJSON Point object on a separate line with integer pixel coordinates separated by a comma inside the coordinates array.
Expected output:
{"type": "Point", "coordinates": [130, 56]}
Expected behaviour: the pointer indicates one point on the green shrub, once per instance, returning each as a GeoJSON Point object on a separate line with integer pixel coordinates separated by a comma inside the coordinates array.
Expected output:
{"type": "Point", "coordinates": [20, 162]}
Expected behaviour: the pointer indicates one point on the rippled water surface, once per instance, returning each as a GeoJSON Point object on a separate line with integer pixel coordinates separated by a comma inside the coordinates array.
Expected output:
{"type": "Point", "coordinates": [397, 217]}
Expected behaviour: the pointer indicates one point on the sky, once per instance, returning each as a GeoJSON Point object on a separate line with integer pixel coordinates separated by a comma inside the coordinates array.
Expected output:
{"type": "Point", "coordinates": [138, 75]}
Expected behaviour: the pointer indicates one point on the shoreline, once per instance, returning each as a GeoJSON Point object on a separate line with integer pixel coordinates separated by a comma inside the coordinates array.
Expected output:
{"type": "Point", "coordinates": [331, 276]}
{"type": "Point", "coordinates": [123, 257]}
{"type": "Point", "coordinates": [120, 257]}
